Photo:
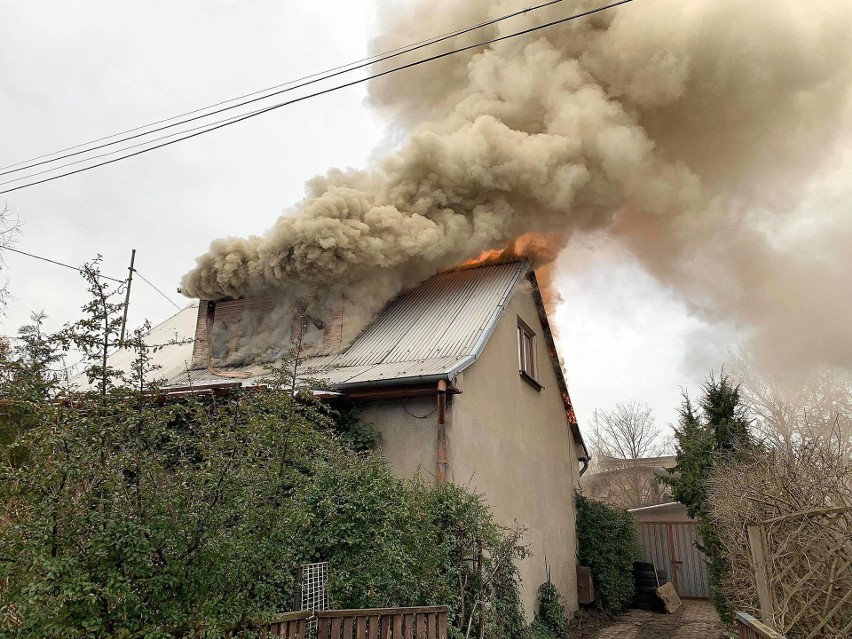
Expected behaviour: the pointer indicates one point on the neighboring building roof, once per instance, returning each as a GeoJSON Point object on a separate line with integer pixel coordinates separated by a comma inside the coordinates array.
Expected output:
{"type": "Point", "coordinates": [668, 506]}
{"type": "Point", "coordinates": [430, 333]}
{"type": "Point", "coordinates": [671, 512]}
{"type": "Point", "coordinates": [173, 339]}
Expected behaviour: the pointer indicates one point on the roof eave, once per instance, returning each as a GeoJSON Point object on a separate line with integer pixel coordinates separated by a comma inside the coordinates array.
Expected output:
{"type": "Point", "coordinates": [557, 367]}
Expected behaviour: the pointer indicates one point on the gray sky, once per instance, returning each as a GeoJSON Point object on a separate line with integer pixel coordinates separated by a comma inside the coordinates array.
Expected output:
{"type": "Point", "coordinates": [76, 71]}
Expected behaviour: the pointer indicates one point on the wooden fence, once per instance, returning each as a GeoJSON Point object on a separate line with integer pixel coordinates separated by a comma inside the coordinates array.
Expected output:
{"type": "Point", "coordinates": [428, 622]}
{"type": "Point", "coordinates": [750, 628]}
{"type": "Point", "coordinates": [803, 572]}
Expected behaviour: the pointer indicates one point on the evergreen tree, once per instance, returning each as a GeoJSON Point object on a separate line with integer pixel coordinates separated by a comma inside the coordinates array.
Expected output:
{"type": "Point", "coordinates": [715, 434]}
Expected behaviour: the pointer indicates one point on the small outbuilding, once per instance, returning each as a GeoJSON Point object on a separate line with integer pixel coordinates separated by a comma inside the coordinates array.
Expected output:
{"type": "Point", "coordinates": [669, 538]}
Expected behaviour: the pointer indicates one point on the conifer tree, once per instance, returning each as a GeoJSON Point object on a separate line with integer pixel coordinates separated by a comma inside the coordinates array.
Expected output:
{"type": "Point", "coordinates": [714, 434]}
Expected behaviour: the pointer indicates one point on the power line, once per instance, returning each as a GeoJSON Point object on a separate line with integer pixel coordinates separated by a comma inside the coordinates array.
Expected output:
{"type": "Point", "coordinates": [142, 277]}
{"type": "Point", "coordinates": [234, 120]}
{"type": "Point", "coordinates": [297, 84]}
{"type": "Point", "coordinates": [47, 259]}
{"type": "Point", "coordinates": [103, 155]}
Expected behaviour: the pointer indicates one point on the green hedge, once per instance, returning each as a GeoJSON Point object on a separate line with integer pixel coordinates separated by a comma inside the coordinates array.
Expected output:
{"type": "Point", "coordinates": [608, 544]}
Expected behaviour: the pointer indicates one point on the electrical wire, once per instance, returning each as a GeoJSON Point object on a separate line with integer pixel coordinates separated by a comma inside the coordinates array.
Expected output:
{"type": "Point", "coordinates": [304, 81]}
{"type": "Point", "coordinates": [47, 259]}
{"type": "Point", "coordinates": [427, 415]}
{"type": "Point", "coordinates": [142, 277]}
{"type": "Point", "coordinates": [252, 114]}
{"type": "Point", "coordinates": [103, 155]}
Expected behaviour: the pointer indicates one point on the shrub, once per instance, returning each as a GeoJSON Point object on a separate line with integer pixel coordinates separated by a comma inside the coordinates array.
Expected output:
{"type": "Point", "coordinates": [550, 620]}
{"type": "Point", "coordinates": [354, 432]}
{"type": "Point", "coordinates": [127, 514]}
{"type": "Point", "coordinates": [607, 543]}
{"type": "Point", "coordinates": [406, 542]}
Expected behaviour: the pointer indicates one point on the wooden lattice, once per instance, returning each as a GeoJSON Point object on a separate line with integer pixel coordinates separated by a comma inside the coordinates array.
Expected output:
{"type": "Point", "coordinates": [805, 566]}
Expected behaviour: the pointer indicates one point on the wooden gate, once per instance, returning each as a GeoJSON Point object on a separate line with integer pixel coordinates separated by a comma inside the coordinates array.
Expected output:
{"type": "Point", "coordinates": [428, 622]}
{"type": "Point", "coordinates": [671, 546]}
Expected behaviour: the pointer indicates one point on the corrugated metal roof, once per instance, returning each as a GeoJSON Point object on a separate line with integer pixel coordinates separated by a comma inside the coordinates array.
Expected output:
{"type": "Point", "coordinates": [175, 334]}
{"type": "Point", "coordinates": [442, 318]}
{"type": "Point", "coordinates": [431, 332]}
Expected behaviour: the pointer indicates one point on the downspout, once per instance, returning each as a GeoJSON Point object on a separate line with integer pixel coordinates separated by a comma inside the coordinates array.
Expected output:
{"type": "Point", "coordinates": [585, 467]}
{"type": "Point", "coordinates": [441, 464]}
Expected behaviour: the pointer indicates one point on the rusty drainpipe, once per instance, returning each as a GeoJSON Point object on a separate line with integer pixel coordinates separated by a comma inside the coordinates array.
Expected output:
{"type": "Point", "coordinates": [442, 433]}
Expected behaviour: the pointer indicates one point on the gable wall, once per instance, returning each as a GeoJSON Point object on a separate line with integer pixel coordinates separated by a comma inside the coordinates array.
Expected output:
{"type": "Point", "coordinates": [505, 440]}
{"type": "Point", "coordinates": [513, 444]}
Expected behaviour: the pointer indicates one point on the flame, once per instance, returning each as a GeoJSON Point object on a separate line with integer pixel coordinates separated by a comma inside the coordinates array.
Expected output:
{"type": "Point", "coordinates": [539, 248]}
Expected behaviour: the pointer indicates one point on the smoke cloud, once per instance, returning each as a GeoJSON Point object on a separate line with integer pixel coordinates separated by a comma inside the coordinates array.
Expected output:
{"type": "Point", "coordinates": [703, 135]}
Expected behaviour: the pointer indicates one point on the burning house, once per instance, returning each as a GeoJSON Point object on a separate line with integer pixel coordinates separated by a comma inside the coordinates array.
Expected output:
{"type": "Point", "coordinates": [460, 375]}
{"type": "Point", "coordinates": [683, 133]}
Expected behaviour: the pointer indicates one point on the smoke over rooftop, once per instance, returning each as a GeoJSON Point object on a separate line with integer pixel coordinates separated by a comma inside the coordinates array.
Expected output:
{"type": "Point", "coordinates": [703, 134]}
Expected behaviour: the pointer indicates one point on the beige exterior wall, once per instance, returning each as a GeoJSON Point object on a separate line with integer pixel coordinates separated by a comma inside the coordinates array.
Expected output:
{"type": "Point", "coordinates": [507, 441]}
{"type": "Point", "coordinates": [512, 443]}
{"type": "Point", "coordinates": [409, 442]}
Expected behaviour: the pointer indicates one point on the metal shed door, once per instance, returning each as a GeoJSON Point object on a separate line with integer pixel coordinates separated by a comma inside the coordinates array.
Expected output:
{"type": "Point", "coordinates": [671, 546]}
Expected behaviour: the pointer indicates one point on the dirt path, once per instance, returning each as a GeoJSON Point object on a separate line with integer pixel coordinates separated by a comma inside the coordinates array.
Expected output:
{"type": "Point", "coordinates": [696, 619]}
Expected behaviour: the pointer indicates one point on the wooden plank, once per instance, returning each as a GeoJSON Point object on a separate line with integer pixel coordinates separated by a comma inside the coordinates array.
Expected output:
{"type": "Point", "coordinates": [669, 597]}
{"type": "Point", "coordinates": [336, 622]}
{"type": "Point", "coordinates": [348, 624]}
{"type": "Point", "coordinates": [751, 628]}
{"type": "Point", "coordinates": [442, 625]}
{"type": "Point", "coordinates": [674, 562]}
{"type": "Point", "coordinates": [323, 628]}
{"type": "Point", "coordinates": [290, 616]}
{"type": "Point", "coordinates": [356, 612]}
{"type": "Point", "coordinates": [408, 627]}
{"type": "Point", "coordinates": [397, 626]}
{"type": "Point", "coordinates": [302, 628]}
{"type": "Point", "coordinates": [386, 627]}
{"type": "Point", "coordinates": [432, 625]}
{"type": "Point", "coordinates": [373, 627]}
{"type": "Point", "coordinates": [420, 624]}
{"type": "Point", "coordinates": [361, 628]}
{"type": "Point", "coordinates": [761, 575]}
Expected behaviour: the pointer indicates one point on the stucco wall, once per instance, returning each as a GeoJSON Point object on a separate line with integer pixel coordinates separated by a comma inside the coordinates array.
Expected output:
{"type": "Point", "coordinates": [409, 442]}
{"type": "Point", "coordinates": [505, 440]}
{"type": "Point", "coordinates": [513, 444]}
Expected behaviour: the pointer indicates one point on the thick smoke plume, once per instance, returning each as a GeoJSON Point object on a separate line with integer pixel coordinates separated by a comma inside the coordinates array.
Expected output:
{"type": "Point", "coordinates": [696, 131]}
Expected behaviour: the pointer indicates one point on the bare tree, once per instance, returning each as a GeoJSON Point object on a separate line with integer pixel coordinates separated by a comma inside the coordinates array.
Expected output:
{"type": "Point", "coordinates": [9, 228]}
{"type": "Point", "coordinates": [626, 444]}
{"type": "Point", "coordinates": [790, 413]}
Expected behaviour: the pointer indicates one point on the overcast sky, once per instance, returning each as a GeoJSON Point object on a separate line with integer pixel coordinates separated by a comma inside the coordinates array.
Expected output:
{"type": "Point", "coordinates": [75, 71]}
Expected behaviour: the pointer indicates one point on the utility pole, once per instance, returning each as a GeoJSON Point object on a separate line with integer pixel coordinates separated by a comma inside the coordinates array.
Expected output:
{"type": "Point", "coordinates": [127, 298]}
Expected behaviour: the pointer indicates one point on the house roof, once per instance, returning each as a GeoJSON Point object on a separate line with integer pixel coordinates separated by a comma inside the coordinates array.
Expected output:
{"type": "Point", "coordinates": [433, 332]}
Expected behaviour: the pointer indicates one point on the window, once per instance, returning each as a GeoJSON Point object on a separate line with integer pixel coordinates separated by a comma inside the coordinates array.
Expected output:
{"type": "Point", "coordinates": [526, 354]}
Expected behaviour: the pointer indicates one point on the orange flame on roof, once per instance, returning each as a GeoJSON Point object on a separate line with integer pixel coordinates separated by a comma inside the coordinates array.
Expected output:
{"type": "Point", "coordinates": [538, 248]}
